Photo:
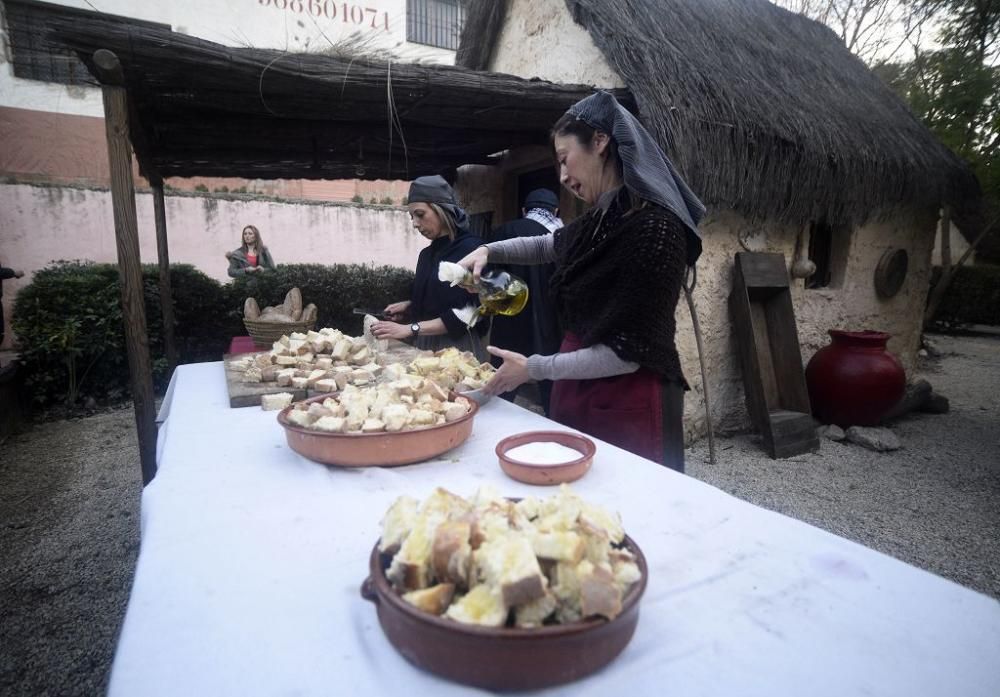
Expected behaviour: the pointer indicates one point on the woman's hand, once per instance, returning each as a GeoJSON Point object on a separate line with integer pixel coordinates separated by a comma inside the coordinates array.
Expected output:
{"type": "Point", "coordinates": [511, 374]}
{"type": "Point", "coordinates": [251, 269]}
{"type": "Point", "coordinates": [391, 330]}
{"type": "Point", "coordinates": [396, 311]}
{"type": "Point", "coordinates": [475, 261]}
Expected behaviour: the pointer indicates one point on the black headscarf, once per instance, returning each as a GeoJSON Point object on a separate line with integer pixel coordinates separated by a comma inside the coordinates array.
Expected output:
{"type": "Point", "coordinates": [648, 172]}
{"type": "Point", "coordinates": [434, 189]}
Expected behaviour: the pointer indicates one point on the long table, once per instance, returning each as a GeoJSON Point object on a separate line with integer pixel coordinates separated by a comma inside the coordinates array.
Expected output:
{"type": "Point", "coordinates": [251, 559]}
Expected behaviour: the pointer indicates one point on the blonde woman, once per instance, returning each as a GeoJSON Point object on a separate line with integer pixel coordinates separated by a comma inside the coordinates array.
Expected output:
{"type": "Point", "coordinates": [251, 256]}
{"type": "Point", "coordinates": [428, 318]}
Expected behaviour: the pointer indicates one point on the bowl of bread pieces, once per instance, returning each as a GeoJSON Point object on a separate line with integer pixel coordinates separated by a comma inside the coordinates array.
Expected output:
{"type": "Point", "coordinates": [506, 594]}
{"type": "Point", "coordinates": [400, 422]}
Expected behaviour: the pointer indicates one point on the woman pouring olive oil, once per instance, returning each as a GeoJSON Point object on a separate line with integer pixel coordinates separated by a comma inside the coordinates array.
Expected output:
{"type": "Point", "coordinates": [618, 275]}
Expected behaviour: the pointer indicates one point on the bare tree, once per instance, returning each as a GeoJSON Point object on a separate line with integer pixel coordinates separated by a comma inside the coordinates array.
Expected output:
{"type": "Point", "coordinates": [874, 30]}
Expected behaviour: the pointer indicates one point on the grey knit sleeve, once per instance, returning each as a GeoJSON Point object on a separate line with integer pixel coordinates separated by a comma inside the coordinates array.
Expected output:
{"type": "Point", "coordinates": [597, 361]}
{"type": "Point", "coordinates": [539, 249]}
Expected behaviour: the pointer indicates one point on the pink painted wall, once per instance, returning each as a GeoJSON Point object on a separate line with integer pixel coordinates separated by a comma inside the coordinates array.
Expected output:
{"type": "Point", "coordinates": [42, 224]}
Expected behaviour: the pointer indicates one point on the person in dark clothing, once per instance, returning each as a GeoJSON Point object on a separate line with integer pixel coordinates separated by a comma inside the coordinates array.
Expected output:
{"type": "Point", "coordinates": [536, 328]}
{"type": "Point", "coordinates": [6, 274]}
{"type": "Point", "coordinates": [428, 317]}
{"type": "Point", "coordinates": [619, 272]}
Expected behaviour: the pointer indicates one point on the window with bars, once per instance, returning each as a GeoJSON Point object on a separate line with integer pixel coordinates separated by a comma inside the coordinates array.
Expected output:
{"type": "Point", "coordinates": [435, 22]}
{"type": "Point", "coordinates": [32, 57]}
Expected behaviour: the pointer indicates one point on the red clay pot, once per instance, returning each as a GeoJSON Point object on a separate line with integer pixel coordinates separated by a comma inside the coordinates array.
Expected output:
{"type": "Point", "coordinates": [854, 381]}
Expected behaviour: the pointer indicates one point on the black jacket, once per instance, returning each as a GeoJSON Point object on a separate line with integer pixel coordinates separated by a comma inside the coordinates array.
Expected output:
{"type": "Point", "coordinates": [431, 298]}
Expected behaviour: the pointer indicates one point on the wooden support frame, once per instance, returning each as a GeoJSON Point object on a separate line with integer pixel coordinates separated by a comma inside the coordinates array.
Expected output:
{"type": "Point", "coordinates": [166, 291]}
{"type": "Point", "coordinates": [768, 346]}
{"type": "Point", "coordinates": [127, 243]}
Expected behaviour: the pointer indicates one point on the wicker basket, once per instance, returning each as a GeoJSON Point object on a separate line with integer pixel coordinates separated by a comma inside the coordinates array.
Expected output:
{"type": "Point", "coordinates": [265, 333]}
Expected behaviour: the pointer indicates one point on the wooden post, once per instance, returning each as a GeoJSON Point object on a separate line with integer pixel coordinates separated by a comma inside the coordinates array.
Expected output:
{"type": "Point", "coordinates": [127, 241]}
{"type": "Point", "coordinates": [166, 293]}
{"type": "Point", "coordinates": [945, 238]}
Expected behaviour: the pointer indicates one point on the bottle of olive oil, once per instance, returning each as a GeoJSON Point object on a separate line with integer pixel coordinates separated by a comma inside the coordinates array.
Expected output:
{"type": "Point", "coordinates": [501, 294]}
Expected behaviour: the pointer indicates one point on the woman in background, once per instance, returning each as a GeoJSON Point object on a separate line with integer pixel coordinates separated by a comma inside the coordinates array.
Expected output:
{"type": "Point", "coordinates": [251, 256]}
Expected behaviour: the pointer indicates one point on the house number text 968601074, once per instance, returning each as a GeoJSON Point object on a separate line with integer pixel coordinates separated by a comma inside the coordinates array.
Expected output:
{"type": "Point", "coordinates": [368, 17]}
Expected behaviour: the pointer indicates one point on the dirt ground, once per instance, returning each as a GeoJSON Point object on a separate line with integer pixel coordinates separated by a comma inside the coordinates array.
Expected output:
{"type": "Point", "coordinates": [69, 508]}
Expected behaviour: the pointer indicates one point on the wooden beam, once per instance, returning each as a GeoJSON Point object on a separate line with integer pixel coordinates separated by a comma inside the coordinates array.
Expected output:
{"type": "Point", "coordinates": [129, 269]}
{"type": "Point", "coordinates": [166, 292]}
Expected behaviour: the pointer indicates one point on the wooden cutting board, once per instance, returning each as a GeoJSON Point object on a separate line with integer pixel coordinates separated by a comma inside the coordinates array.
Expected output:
{"type": "Point", "coordinates": [248, 394]}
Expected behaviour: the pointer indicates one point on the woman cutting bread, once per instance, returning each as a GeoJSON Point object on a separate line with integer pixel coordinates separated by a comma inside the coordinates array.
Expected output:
{"type": "Point", "coordinates": [429, 317]}
{"type": "Point", "coordinates": [618, 276]}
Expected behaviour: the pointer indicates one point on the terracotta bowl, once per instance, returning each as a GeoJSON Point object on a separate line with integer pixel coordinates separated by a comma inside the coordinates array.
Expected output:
{"type": "Point", "coordinates": [375, 449]}
{"type": "Point", "coordinates": [546, 474]}
{"type": "Point", "coordinates": [502, 658]}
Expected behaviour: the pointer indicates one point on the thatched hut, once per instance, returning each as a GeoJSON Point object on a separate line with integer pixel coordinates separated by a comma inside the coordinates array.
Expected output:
{"type": "Point", "coordinates": [787, 137]}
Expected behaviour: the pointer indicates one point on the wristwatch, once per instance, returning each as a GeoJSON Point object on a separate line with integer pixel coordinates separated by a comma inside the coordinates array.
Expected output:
{"type": "Point", "coordinates": [415, 328]}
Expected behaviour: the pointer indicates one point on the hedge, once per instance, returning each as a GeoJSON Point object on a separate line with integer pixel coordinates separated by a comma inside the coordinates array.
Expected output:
{"type": "Point", "coordinates": [68, 320]}
{"type": "Point", "coordinates": [973, 297]}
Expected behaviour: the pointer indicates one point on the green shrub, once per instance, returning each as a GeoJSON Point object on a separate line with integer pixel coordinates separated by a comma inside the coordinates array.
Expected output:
{"type": "Point", "coordinates": [973, 297]}
{"type": "Point", "coordinates": [356, 198]}
{"type": "Point", "coordinates": [335, 290]}
{"type": "Point", "coordinates": [201, 187]}
{"type": "Point", "coordinates": [68, 320]}
{"type": "Point", "coordinates": [69, 327]}
{"type": "Point", "coordinates": [386, 201]}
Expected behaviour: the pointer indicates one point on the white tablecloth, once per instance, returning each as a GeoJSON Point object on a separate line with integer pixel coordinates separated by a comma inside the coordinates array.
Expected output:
{"type": "Point", "coordinates": [252, 557]}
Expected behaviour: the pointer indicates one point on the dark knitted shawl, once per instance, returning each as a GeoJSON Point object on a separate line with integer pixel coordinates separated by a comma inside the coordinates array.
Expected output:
{"type": "Point", "coordinates": [617, 281]}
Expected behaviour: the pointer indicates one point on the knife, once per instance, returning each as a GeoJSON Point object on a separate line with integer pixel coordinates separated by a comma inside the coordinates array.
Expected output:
{"type": "Point", "coordinates": [362, 311]}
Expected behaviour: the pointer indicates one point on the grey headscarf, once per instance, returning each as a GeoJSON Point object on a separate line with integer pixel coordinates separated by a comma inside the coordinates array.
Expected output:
{"type": "Point", "coordinates": [434, 189]}
{"type": "Point", "coordinates": [648, 172]}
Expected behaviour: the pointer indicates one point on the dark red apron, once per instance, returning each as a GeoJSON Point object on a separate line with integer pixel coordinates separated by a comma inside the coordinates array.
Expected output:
{"type": "Point", "coordinates": [624, 410]}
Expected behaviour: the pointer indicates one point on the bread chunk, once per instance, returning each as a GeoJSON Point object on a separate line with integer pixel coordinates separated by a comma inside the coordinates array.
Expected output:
{"type": "Point", "coordinates": [397, 523]}
{"type": "Point", "coordinates": [509, 563]}
{"type": "Point", "coordinates": [434, 600]}
{"type": "Point", "coordinates": [482, 606]}
{"type": "Point", "coordinates": [599, 594]}
{"type": "Point", "coordinates": [275, 402]}
{"type": "Point", "coordinates": [451, 554]}
{"type": "Point", "coordinates": [535, 613]}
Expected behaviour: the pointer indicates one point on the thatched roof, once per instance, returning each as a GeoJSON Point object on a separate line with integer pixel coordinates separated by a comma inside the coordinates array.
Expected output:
{"type": "Point", "coordinates": [765, 111]}
{"type": "Point", "coordinates": [202, 109]}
